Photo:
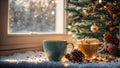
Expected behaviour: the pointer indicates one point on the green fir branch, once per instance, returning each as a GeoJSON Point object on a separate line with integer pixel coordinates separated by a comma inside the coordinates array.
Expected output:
{"type": "Point", "coordinates": [79, 3]}
{"type": "Point", "coordinates": [73, 10]}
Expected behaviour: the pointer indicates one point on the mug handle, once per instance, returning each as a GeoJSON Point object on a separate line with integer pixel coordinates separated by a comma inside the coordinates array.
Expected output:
{"type": "Point", "coordinates": [103, 47]}
{"type": "Point", "coordinates": [71, 45]}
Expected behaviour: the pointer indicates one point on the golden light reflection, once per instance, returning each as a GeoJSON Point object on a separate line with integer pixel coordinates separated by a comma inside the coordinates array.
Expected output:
{"type": "Point", "coordinates": [69, 32]}
{"type": "Point", "coordinates": [69, 26]}
{"type": "Point", "coordinates": [100, 1]}
{"type": "Point", "coordinates": [53, 12]}
{"type": "Point", "coordinates": [65, 64]}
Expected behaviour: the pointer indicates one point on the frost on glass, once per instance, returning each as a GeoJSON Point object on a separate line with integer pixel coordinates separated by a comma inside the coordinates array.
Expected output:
{"type": "Point", "coordinates": [32, 16]}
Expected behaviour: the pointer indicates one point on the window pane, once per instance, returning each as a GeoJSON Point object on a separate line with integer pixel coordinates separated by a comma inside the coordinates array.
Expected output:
{"type": "Point", "coordinates": [32, 16]}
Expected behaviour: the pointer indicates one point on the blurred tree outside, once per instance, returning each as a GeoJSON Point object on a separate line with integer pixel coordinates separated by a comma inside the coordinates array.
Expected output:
{"type": "Point", "coordinates": [32, 16]}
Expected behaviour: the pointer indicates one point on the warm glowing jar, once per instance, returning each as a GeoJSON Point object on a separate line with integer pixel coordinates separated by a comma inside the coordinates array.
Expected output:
{"type": "Point", "coordinates": [88, 47]}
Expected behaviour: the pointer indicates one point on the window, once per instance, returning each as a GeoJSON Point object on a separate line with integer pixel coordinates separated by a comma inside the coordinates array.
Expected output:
{"type": "Point", "coordinates": [25, 37]}
{"type": "Point", "coordinates": [36, 16]}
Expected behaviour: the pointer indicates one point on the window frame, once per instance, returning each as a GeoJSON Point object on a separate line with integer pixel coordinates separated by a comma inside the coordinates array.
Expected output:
{"type": "Point", "coordinates": [60, 15]}
{"type": "Point", "coordinates": [22, 41]}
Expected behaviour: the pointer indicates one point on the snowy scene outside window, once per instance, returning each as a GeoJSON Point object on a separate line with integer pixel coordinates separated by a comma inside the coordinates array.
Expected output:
{"type": "Point", "coordinates": [32, 16]}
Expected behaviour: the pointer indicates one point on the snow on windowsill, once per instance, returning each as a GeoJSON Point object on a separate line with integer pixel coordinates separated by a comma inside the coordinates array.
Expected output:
{"type": "Point", "coordinates": [39, 57]}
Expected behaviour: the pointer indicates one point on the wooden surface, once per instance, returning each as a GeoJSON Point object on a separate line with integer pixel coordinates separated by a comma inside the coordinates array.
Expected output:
{"type": "Point", "coordinates": [11, 43]}
{"type": "Point", "coordinates": [14, 45]}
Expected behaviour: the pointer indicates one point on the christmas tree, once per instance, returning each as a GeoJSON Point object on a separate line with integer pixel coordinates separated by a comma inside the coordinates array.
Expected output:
{"type": "Point", "coordinates": [92, 18]}
{"type": "Point", "coordinates": [95, 19]}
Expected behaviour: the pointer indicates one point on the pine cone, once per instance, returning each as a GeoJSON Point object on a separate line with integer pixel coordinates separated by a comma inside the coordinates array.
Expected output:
{"type": "Point", "coordinates": [112, 39]}
{"type": "Point", "coordinates": [115, 41]}
{"type": "Point", "coordinates": [111, 49]}
{"type": "Point", "coordinates": [75, 56]}
{"type": "Point", "coordinates": [107, 37]}
{"type": "Point", "coordinates": [112, 9]}
{"type": "Point", "coordinates": [112, 26]}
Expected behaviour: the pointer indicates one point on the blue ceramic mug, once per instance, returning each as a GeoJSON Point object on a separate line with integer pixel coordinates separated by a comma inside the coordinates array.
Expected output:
{"type": "Point", "coordinates": [55, 50]}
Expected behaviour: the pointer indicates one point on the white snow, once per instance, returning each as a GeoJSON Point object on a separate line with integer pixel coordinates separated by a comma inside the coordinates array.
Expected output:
{"type": "Point", "coordinates": [40, 57]}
